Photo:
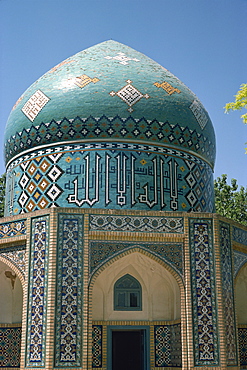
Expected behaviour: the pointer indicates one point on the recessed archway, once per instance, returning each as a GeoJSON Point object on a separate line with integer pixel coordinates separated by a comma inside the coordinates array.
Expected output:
{"type": "Point", "coordinates": [160, 290]}
{"type": "Point", "coordinates": [241, 295]}
{"type": "Point", "coordinates": [11, 304]}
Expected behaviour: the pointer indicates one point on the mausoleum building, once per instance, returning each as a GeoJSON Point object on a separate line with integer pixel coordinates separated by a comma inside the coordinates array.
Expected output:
{"type": "Point", "coordinates": [111, 254]}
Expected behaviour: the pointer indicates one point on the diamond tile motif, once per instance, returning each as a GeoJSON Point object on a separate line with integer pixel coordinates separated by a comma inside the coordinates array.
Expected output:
{"type": "Point", "coordinates": [84, 127]}
{"type": "Point", "coordinates": [128, 175]}
{"type": "Point", "coordinates": [23, 199]}
{"type": "Point", "coordinates": [55, 173]}
{"type": "Point", "coordinates": [130, 95]}
{"type": "Point", "coordinates": [35, 104]}
{"type": "Point", "coordinates": [54, 192]}
{"type": "Point", "coordinates": [68, 315]}
{"type": "Point", "coordinates": [24, 180]}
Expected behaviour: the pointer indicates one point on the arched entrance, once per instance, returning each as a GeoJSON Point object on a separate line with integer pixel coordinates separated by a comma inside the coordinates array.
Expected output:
{"type": "Point", "coordinates": [11, 302]}
{"type": "Point", "coordinates": [136, 314]}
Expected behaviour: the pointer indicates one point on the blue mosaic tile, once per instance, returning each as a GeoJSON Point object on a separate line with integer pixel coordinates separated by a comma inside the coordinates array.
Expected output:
{"type": "Point", "coordinates": [10, 347]}
{"type": "Point", "coordinates": [69, 297]}
{"type": "Point", "coordinates": [37, 304]}
{"type": "Point", "coordinates": [171, 253]}
{"type": "Point", "coordinates": [136, 224]}
{"type": "Point", "coordinates": [242, 343]}
{"type": "Point", "coordinates": [97, 354]}
{"type": "Point", "coordinates": [111, 176]}
{"type": "Point", "coordinates": [228, 295]}
{"type": "Point", "coordinates": [168, 345]}
{"type": "Point", "coordinates": [239, 235]}
{"type": "Point", "coordinates": [131, 97]}
{"type": "Point", "coordinates": [206, 350]}
{"type": "Point", "coordinates": [14, 228]}
{"type": "Point", "coordinates": [17, 258]}
{"type": "Point", "coordinates": [117, 127]}
{"type": "Point", "coordinates": [240, 259]}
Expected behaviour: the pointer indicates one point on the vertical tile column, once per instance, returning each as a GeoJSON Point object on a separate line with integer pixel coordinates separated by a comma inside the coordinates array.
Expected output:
{"type": "Point", "coordinates": [228, 295]}
{"type": "Point", "coordinates": [205, 325]}
{"type": "Point", "coordinates": [69, 291]}
{"type": "Point", "coordinates": [37, 293]}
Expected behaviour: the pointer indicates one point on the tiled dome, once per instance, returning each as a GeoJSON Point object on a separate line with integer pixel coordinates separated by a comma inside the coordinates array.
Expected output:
{"type": "Point", "coordinates": [109, 92]}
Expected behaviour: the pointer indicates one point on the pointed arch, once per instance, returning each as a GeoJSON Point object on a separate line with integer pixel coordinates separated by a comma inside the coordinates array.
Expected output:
{"type": "Point", "coordinates": [241, 294]}
{"type": "Point", "coordinates": [127, 294]}
{"type": "Point", "coordinates": [16, 269]}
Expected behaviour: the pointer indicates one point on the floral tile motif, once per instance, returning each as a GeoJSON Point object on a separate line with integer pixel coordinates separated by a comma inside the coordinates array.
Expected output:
{"type": "Point", "coordinates": [17, 257]}
{"type": "Point", "coordinates": [203, 293]}
{"type": "Point", "coordinates": [15, 228]}
{"type": "Point", "coordinates": [239, 235]}
{"type": "Point", "coordinates": [101, 251]}
{"type": "Point", "coordinates": [36, 322]}
{"type": "Point", "coordinates": [228, 294]}
{"type": "Point", "coordinates": [136, 224]}
{"type": "Point", "coordinates": [168, 346]}
{"type": "Point", "coordinates": [68, 327]}
{"type": "Point", "coordinates": [240, 259]}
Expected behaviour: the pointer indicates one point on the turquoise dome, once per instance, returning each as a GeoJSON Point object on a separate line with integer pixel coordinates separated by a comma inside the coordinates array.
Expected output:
{"type": "Point", "coordinates": [109, 92]}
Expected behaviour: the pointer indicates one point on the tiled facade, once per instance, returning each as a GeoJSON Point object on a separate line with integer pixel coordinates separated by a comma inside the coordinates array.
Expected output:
{"type": "Point", "coordinates": [167, 339]}
{"type": "Point", "coordinates": [109, 174]}
{"type": "Point", "coordinates": [69, 297]}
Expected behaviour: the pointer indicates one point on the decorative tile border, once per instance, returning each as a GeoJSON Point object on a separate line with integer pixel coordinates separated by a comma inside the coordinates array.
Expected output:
{"type": "Point", "coordinates": [101, 251]}
{"type": "Point", "coordinates": [239, 235]}
{"type": "Point", "coordinates": [239, 260]}
{"type": "Point", "coordinates": [17, 258]}
{"type": "Point", "coordinates": [97, 335]}
{"type": "Point", "coordinates": [111, 176]}
{"type": "Point", "coordinates": [203, 293]}
{"type": "Point", "coordinates": [242, 342]}
{"type": "Point", "coordinates": [168, 346]}
{"type": "Point", "coordinates": [15, 228]}
{"type": "Point", "coordinates": [69, 295]}
{"type": "Point", "coordinates": [116, 127]}
{"type": "Point", "coordinates": [10, 347]}
{"type": "Point", "coordinates": [136, 224]}
{"type": "Point", "coordinates": [228, 294]}
{"type": "Point", "coordinates": [37, 295]}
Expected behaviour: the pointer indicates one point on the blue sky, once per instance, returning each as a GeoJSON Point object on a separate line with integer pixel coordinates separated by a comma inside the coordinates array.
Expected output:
{"type": "Point", "coordinates": [202, 42]}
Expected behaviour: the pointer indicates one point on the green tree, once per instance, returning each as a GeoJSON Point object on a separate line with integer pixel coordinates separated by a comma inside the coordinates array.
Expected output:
{"type": "Point", "coordinates": [2, 193]}
{"type": "Point", "coordinates": [240, 102]}
{"type": "Point", "coordinates": [229, 201]}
